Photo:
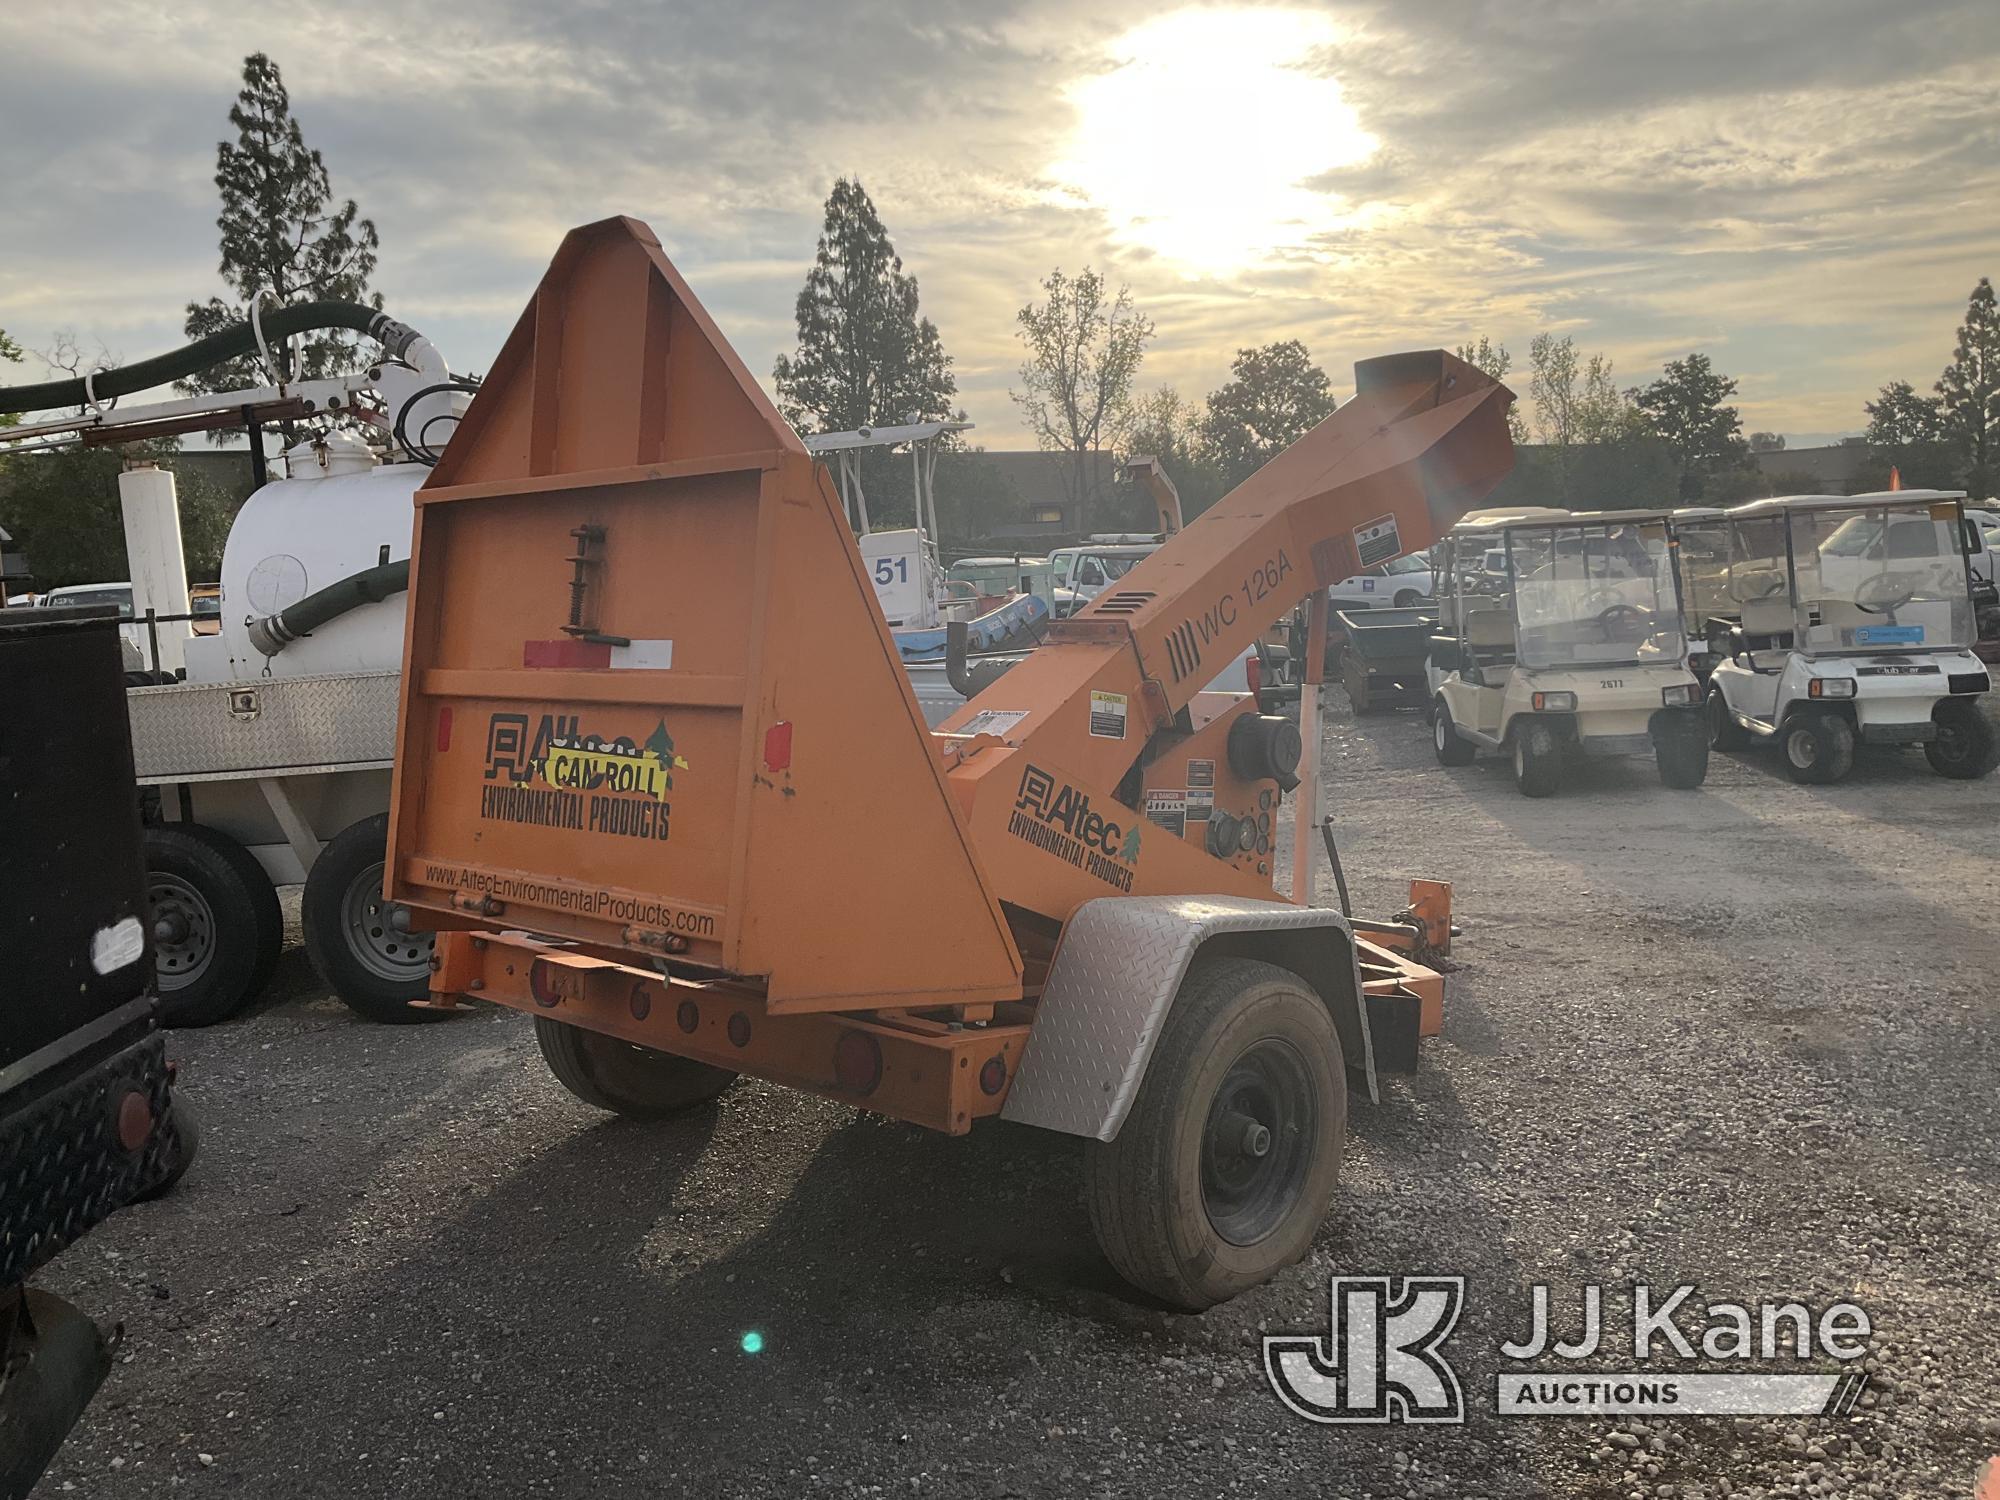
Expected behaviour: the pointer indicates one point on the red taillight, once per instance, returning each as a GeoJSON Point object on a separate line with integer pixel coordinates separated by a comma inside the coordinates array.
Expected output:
{"type": "Point", "coordinates": [857, 1062]}
{"type": "Point", "coordinates": [542, 984]}
{"type": "Point", "coordinates": [1253, 672]}
{"type": "Point", "coordinates": [993, 1075]}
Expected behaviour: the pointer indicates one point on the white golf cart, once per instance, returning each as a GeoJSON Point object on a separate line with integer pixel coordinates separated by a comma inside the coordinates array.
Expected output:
{"type": "Point", "coordinates": [1833, 619]}
{"type": "Point", "coordinates": [1574, 647]}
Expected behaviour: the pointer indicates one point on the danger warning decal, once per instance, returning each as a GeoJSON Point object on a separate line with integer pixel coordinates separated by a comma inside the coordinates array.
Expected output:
{"type": "Point", "coordinates": [1107, 715]}
{"type": "Point", "coordinates": [563, 778]}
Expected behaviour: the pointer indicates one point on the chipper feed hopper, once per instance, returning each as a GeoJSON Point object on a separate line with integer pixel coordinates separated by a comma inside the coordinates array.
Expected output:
{"type": "Point", "coordinates": [663, 786]}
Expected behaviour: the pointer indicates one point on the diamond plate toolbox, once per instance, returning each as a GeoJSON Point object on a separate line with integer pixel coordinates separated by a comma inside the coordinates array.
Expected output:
{"type": "Point", "coordinates": [190, 731]}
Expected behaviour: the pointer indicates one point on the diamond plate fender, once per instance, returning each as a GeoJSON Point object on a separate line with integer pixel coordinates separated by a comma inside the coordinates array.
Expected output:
{"type": "Point", "coordinates": [1114, 978]}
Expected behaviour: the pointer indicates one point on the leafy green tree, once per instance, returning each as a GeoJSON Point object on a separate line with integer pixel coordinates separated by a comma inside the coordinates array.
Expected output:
{"type": "Point", "coordinates": [1969, 393]}
{"type": "Point", "coordinates": [866, 356]}
{"type": "Point", "coordinates": [1493, 359]}
{"type": "Point", "coordinates": [1685, 407]}
{"type": "Point", "coordinates": [1084, 349]}
{"type": "Point", "coordinates": [1577, 404]}
{"type": "Point", "coordinates": [1908, 433]}
{"type": "Point", "coordinates": [284, 238]}
{"type": "Point", "coordinates": [1167, 427]}
{"type": "Point", "coordinates": [1274, 396]}
{"type": "Point", "coordinates": [10, 353]}
{"type": "Point", "coordinates": [62, 510]}
{"type": "Point", "coordinates": [1767, 442]}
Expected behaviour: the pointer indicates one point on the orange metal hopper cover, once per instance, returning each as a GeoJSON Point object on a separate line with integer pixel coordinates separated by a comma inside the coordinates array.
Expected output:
{"type": "Point", "coordinates": [649, 703]}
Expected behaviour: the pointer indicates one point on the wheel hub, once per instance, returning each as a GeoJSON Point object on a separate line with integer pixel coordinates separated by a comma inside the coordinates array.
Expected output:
{"type": "Point", "coordinates": [1258, 1143]}
{"type": "Point", "coordinates": [378, 932]}
{"type": "Point", "coordinates": [183, 926]}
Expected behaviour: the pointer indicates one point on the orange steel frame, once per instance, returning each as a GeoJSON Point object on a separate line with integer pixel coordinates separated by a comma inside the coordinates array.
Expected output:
{"type": "Point", "coordinates": [660, 772]}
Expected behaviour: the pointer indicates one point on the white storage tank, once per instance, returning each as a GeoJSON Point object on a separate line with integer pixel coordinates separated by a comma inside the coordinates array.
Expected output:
{"type": "Point", "coordinates": [340, 513]}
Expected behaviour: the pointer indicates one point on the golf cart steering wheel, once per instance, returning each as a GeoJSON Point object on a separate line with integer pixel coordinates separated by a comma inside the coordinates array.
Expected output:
{"type": "Point", "coordinates": [1884, 593]}
{"type": "Point", "coordinates": [1612, 619]}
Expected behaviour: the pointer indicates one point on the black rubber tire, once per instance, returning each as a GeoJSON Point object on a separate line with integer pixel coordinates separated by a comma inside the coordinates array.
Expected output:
{"type": "Point", "coordinates": [355, 852]}
{"type": "Point", "coordinates": [1408, 599]}
{"type": "Point", "coordinates": [1146, 1189]}
{"type": "Point", "coordinates": [629, 1080]}
{"type": "Point", "coordinates": [1818, 746]}
{"type": "Point", "coordinates": [1680, 748]}
{"type": "Point", "coordinates": [1966, 747]}
{"type": "Point", "coordinates": [1537, 752]}
{"type": "Point", "coordinates": [247, 928]}
{"type": "Point", "coordinates": [1724, 733]}
{"type": "Point", "coordinates": [180, 1156]}
{"type": "Point", "coordinates": [1452, 748]}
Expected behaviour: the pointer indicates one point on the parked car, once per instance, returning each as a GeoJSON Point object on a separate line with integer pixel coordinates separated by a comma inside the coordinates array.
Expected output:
{"type": "Point", "coordinates": [1084, 572]}
{"type": "Point", "coordinates": [1400, 583]}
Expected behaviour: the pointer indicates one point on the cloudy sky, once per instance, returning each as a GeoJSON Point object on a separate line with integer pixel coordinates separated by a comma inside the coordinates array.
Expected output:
{"type": "Point", "coordinates": [1807, 189]}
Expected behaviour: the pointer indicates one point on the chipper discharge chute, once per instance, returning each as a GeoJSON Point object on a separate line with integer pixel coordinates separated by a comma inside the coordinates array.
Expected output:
{"type": "Point", "coordinates": [664, 786]}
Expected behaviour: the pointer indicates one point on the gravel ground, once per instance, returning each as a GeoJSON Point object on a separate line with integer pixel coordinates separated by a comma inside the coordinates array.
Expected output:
{"type": "Point", "coordinates": [1741, 1037]}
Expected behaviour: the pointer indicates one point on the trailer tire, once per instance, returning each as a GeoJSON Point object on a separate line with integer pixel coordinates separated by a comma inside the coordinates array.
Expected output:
{"type": "Point", "coordinates": [373, 967]}
{"type": "Point", "coordinates": [1818, 746]}
{"type": "Point", "coordinates": [1724, 733]}
{"type": "Point", "coordinates": [1538, 758]}
{"type": "Point", "coordinates": [217, 930]}
{"type": "Point", "coordinates": [1680, 748]}
{"type": "Point", "coordinates": [637, 1082]}
{"type": "Point", "coordinates": [1966, 748]}
{"type": "Point", "coordinates": [1225, 1167]}
{"type": "Point", "coordinates": [1452, 748]}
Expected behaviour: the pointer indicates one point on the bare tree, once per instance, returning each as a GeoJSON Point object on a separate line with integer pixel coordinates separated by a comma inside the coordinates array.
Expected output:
{"type": "Point", "coordinates": [1083, 353]}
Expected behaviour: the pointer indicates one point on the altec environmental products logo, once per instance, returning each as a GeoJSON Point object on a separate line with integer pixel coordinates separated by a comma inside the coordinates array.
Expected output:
{"type": "Point", "coordinates": [1384, 1357]}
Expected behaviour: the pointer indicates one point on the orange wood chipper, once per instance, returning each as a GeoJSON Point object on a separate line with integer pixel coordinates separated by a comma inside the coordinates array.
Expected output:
{"type": "Point", "coordinates": [662, 784]}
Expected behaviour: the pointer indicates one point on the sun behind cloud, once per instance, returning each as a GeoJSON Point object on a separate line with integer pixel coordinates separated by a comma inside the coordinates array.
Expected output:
{"type": "Point", "coordinates": [1197, 141]}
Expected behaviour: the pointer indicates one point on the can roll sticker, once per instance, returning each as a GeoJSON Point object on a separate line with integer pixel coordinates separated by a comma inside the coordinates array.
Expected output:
{"type": "Point", "coordinates": [996, 721]}
{"type": "Point", "coordinates": [1168, 808]}
{"type": "Point", "coordinates": [1107, 715]}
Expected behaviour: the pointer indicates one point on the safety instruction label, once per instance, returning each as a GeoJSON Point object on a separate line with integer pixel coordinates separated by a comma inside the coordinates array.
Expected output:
{"type": "Point", "coordinates": [1201, 791]}
{"type": "Point", "coordinates": [1377, 541]}
{"type": "Point", "coordinates": [1168, 809]}
{"type": "Point", "coordinates": [1107, 715]}
{"type": "Point", "coordinates": [995, 721]}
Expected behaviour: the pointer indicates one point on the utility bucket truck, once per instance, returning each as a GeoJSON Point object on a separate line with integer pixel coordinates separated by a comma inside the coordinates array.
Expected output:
{"type": "Point", "coordinates": [662, 784]}
{"type": "Point", "coordinates": [1560, 635]}
{"type": "Point", "coordinates": [1833, 620]}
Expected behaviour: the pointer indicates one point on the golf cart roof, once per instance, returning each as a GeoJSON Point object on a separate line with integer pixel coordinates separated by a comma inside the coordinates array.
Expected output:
{"type": "Point", "coordinates": [1540, 515]}
{"type": "Point", "coordinates": [1877, 499]}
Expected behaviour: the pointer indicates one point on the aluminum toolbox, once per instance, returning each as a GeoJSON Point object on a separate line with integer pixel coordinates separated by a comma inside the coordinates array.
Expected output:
{"type": "Point", "coordinates": [271, 726]}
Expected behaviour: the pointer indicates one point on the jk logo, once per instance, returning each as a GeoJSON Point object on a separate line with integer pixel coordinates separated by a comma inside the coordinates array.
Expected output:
{"type": "Point", "coordinates": [1380, 1362]}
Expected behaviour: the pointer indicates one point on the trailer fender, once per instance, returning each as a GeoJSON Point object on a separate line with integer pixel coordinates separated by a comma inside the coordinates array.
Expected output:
{"type": "Point", "coordinates": [1114, 977]}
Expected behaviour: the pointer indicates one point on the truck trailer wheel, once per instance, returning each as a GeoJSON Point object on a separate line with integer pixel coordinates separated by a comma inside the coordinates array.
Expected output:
{"type": "Point", "coordinates": [1225, 1167]}
{"type": "Point", "coordinates": [1819, 746]}
{"type": "Point", "coordinates": [1965, 748]}
{"type": "Point", "coordinates": [1452, 748]}
{"type": "Point", "coordinates": [1724, 733]}
{"type": "Point", "coordinates": [637, 1082]}
{"type": "Point", "coordinates": [1680, 748]}
{"type": "Point", "coordinates": [1538, 758]}
{"type": "Point", "coordinates": [216, 925]}
{"type": "Point", "coordinates": [352, 935]}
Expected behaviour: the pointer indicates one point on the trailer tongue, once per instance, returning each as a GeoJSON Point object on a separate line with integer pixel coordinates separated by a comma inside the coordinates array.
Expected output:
{"type": "Point", "coordinates": [661, 778]}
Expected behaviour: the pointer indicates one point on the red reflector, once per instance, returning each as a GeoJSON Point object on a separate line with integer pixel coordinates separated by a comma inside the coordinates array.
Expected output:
{"type": "Point", "coordinates": [444, 729]}
{"type": "Point", "coordinates": [778, 746]}
{"type": "Point", "coordinates": [566, 653]}
{"type": "Point", "coordinates": [993, 1075]}
{"type": "Point", "coordinates": [857, 1062]}
{"type": "Point", "coordinates": [541, 984]}
{"type": "Point", "coordinates": [1253, 672]}
{"type": "Point", "coordinates": [135, 1120]}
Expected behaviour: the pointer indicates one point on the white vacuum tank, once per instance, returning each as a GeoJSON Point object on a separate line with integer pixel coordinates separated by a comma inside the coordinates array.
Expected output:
{"type": "Point", "coordinates": [340, 514]}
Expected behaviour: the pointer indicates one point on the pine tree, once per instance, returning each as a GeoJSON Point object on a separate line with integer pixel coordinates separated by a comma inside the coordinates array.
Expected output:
{"type": "Point", "coordinates": [283, 238]}
{"type": "Point", "coordinates": [866, 357]}
{"type": "Point", "coordinates": [1969, 393]}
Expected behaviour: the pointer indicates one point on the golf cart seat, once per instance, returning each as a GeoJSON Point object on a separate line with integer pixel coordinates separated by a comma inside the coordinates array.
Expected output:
{"type": "Point", "coordinates": [1766, 620]}
{"type": "Point", "coordinates": [1490, 632]}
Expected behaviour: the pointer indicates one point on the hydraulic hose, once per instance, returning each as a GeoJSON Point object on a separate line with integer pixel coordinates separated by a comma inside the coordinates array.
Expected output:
{"type": "Point", "coordinates": [273, 633]}
{"type": "Point", "coordinates": [218, 348]}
